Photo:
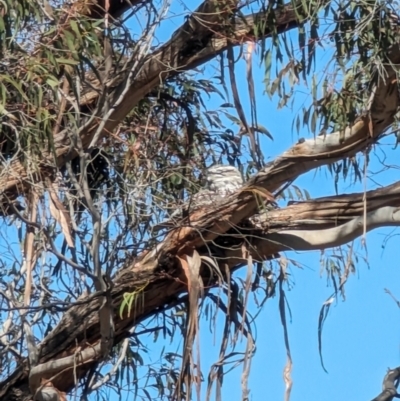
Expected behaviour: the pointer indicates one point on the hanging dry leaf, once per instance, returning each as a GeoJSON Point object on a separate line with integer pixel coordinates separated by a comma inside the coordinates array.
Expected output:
{"type": "Point", "coordinates": [30, 253]}
{"type": "Point", "coordinates": [250, 85]}
{"type": "Point", "coordinates": [247, 285]}
{"type": "Point", "coordinates": [60, 214]}
{"type": "Point", "coordinates": [191, 267]}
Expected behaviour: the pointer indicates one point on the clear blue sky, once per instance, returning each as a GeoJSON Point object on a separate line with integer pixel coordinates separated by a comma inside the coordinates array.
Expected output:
{"type": "Point", "coordinates": [361, 334]}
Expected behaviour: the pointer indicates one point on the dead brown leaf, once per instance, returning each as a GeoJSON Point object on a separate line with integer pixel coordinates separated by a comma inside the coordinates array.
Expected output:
{"type": "Point", "coordinates": [60, 214]}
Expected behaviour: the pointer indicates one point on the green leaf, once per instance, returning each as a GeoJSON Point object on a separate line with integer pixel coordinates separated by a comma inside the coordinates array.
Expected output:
{"type": "Point", "coordinates": [52, 82]}
{"type": "Point", "coordinates": [268, 64]}
{"type": "Point", "coordinates": [74, 27]}
{"type": "Point", "coordinates": [264, 131]}
{"type": "Point", "coordinates": [67, 61]}
{"type": "Point", "coordinates": [176, 179]}
{"type": "Point", "coordinates": [16, 85]}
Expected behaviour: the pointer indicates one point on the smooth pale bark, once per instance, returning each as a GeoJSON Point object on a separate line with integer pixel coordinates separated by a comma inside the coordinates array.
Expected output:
{"type": "Point", "coordinates": [302, 240]}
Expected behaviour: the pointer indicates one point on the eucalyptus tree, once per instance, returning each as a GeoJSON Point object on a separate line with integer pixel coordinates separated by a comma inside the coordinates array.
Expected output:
{"type": "Point", "coordinates": [105, 133]}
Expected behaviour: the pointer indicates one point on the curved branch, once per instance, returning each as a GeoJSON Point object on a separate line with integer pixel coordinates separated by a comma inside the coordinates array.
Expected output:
{"type": "Point", "coordinates": [51, 369]}
{"type": "Point", "coordinates": [308, 240]}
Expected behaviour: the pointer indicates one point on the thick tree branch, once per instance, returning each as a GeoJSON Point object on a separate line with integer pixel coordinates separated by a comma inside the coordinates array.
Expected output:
{"type": "Point", "coordinates": [316, 224]}
{"type": "Point", "coordinates": [301, 158]}
{"type": "Point", "coordinates": [308, 240]}
{"type": "Point", "coordinates": [294, 227]}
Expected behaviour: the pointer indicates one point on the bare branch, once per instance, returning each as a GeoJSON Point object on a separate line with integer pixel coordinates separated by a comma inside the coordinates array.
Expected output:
{"type": "Point", "coordinates": [308, 240]}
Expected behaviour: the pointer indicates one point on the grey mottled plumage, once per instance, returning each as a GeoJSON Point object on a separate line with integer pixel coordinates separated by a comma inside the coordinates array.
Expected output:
{"type": "Point", "coordinates": [221, 181]}
{"type": "Point", "coordinates": [224, 180]}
